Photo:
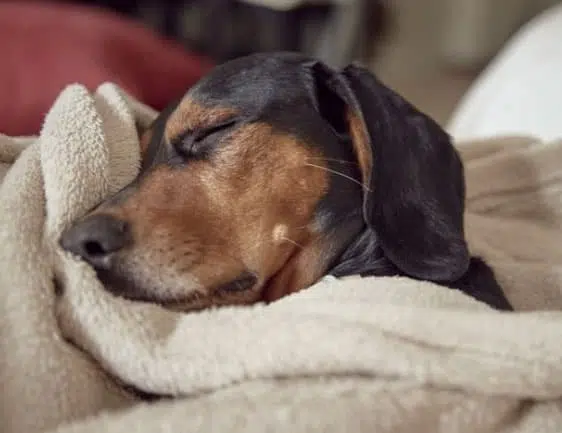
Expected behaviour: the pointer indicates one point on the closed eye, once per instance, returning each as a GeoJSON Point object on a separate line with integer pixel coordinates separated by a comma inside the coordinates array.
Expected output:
{"type": "Point", "coordinates": [207, 132]}
{"type": "Point", "coordinates": [198, 143]}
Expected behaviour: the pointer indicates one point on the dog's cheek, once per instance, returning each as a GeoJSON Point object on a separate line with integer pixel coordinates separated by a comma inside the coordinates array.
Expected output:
{"type": "Point", "coordinates": [302, 270]}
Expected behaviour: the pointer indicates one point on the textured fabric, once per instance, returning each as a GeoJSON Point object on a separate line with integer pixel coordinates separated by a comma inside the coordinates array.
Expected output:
{"type": "Point", "coordinates": [372, 354]}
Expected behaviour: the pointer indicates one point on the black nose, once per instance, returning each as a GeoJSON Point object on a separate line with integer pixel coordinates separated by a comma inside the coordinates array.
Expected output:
{"type": "Point", "coordinates": [96, 239]}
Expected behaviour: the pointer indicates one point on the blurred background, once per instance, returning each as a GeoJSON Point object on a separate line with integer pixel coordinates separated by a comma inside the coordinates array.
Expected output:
{"type": "Point", "coordinates": [428, 50]}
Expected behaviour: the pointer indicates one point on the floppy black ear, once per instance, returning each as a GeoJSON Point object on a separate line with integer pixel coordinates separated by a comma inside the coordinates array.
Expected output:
{"type": "Point", "coordinates": [413, 177]}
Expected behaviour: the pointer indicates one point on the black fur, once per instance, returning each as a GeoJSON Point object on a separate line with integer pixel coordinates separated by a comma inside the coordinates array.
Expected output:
{"type": "Point", "coordinates": [413, 208]}
{"type": "Point", "coordinates": [410, 219]}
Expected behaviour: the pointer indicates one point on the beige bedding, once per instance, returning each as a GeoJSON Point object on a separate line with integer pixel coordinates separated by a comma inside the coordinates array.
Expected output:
{"type": "Point", "coordinates": [373, 354]}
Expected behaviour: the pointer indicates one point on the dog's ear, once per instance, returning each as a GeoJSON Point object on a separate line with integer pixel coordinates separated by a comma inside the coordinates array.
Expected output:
{"type": "Point", "coordinates": [412, 175]}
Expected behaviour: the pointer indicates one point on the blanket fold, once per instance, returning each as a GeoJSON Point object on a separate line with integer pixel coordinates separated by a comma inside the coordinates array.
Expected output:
{"type": "Point", "coordinates": [355, 354]}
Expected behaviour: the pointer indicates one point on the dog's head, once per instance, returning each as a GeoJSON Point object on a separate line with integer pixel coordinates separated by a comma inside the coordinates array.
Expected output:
{"type": "Point", "coordinates": [271, 172]}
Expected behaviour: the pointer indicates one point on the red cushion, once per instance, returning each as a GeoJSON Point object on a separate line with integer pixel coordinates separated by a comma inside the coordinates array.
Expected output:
{"type": "Point", "coordinates": [47, 46]}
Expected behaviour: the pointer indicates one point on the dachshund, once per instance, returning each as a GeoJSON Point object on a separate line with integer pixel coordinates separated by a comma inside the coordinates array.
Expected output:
{"type": "Point", "coordinates": [273, 171]}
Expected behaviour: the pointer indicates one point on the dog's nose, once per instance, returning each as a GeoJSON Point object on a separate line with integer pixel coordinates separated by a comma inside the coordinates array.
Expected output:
{"type": "Point", "coordinates": [96, 239]}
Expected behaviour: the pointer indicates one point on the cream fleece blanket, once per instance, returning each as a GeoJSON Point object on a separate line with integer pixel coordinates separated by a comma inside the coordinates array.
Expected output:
{"type": "Point", "coordinates": [361, 355]}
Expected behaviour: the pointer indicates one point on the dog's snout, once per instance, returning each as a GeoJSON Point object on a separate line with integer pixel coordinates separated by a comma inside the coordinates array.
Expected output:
{"type": "Point", "coordinates": [96, 239]}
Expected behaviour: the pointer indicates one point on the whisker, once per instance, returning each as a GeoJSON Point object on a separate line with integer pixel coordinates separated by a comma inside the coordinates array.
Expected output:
{"type": "Point", "coordinates": [291, 241]}
{"type": "Point", "coordinates": [340, 174]}
{"type": "Point", "coordinates": [270, 241]}
{"type": "Point", "coordinates": [321, 158]}
{"type": "Point", "coordinates": [301, 227]}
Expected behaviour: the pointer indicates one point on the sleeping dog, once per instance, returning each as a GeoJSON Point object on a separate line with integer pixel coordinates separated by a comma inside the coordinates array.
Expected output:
{"type": "Point", "coordinates": [273, 171]}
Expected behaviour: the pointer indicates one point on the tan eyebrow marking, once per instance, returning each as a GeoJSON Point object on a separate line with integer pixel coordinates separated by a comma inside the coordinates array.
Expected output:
{"type": "Point", "coordinates": [191, 115]}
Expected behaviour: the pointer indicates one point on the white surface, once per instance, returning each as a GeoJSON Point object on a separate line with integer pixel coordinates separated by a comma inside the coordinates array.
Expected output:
{"type": "Point", "coordinates": [521, 90]}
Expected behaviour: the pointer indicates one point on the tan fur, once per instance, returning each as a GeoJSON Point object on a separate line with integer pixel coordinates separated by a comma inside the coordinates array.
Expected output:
{"type": "Point", "coordinates": [144, 141]}
{"type": "Point", "coordinates": [361, 147]}
{"type": "Point", "coordinates": [303, 269]}
{"type": "Point", "coordinates": [199, 226]}
{"type": "Point", "coordinates": [191, 116]}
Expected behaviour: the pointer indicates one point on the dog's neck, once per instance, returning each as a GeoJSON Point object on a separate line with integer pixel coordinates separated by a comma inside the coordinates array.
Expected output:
{"type": "Point", "coordinates": [363, 256]}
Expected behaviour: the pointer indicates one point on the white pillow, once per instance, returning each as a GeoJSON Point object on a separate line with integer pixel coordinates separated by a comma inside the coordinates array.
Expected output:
{"type": "Point", "coordinates": [520, 92]}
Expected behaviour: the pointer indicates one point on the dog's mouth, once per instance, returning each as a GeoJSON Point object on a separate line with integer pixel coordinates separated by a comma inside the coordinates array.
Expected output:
{"type": "Point", "coordinates": [241, 290]}
{"type": "Point", "coordinates": [122, 286]}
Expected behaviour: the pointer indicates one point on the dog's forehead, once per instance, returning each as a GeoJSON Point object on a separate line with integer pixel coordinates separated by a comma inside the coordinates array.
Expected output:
{"type": "Point", "coordinates": [277, 90]}
{"type": "Point", "coordinates": [254, 83]}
